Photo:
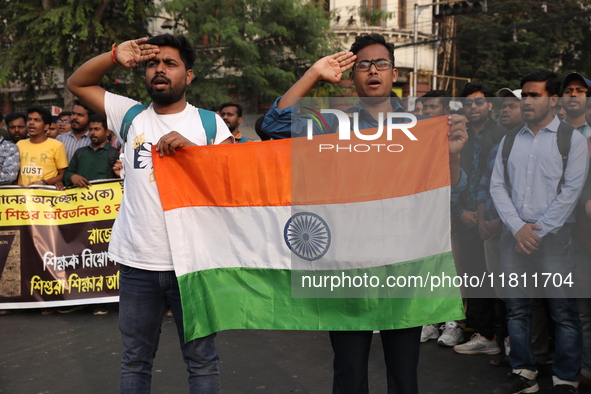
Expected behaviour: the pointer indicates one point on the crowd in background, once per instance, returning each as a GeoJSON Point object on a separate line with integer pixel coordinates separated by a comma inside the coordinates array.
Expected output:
{"type": "Point", "coordinates": [76, 147]}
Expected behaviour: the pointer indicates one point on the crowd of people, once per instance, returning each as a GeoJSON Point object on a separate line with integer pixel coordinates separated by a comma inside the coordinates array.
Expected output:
{"type": "Point", "coordinates": [523, 206]}
{"type": "Point", "coordinates": [67, 150]}
{"type": "Point", "coordinates": [72, 148]}
{"type": "Point", "coordinates": [521, 202]}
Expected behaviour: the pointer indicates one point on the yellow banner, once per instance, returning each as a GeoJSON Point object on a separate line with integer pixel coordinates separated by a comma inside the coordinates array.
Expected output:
{"type": "Point", "coordinates": [33, 206]}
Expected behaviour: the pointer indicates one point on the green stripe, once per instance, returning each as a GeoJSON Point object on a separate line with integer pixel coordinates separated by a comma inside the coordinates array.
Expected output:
{"type": "Point", "coordinates": [252, 298]}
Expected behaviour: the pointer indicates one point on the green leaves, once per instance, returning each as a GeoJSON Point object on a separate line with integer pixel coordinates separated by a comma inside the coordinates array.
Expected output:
{"type": "Point", "coordinates": [250, 48]}
{"type": "Point", "coordinates": [514, 38]}
{"type": "Point", "coordinates": [36, 41]}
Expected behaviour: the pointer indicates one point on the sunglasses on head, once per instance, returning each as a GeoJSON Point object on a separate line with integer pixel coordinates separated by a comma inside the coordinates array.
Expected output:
{"type": "Point", "coordinates": [479, 101]}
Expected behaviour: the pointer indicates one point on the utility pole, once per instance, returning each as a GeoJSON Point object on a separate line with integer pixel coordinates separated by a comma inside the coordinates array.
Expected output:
{"type": "Point", "coordinates": [449, 8]}
{"type": "Point", "coordinates": [416, 51]}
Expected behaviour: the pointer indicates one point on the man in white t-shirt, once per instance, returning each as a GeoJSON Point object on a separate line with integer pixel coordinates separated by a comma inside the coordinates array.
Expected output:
{"type": "Point", "coordinates": [139, 241]}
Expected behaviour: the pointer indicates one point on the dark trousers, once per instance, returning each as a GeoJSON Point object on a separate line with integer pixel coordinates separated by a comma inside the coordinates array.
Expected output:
{"type": "Point", "coordinates": [480, 314]}
{"type": "Point", "coordinates": [351, 356]}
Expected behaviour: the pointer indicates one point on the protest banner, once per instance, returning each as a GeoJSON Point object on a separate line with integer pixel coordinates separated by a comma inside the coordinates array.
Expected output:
{"type": "Point", "coordinates": [53, 245]}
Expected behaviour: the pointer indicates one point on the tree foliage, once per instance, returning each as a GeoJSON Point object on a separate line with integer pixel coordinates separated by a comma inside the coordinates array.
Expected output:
{"type": "Point", "coordinates": [39, 39]}
{"type": "Point", "coordinates": [513, 38]}
{"type": "Point", "coordinates": [250, 50]}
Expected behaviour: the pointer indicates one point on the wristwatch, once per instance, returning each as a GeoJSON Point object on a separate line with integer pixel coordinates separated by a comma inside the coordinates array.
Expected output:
{"type": "Point", "coordinates": [44, 182]}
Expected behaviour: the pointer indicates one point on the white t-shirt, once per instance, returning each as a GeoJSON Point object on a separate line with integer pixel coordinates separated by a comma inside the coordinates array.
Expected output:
{"type": "Point", "coordinates": [139, 237]}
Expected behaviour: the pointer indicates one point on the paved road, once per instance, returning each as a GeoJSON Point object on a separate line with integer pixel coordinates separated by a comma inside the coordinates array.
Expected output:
{"type": "Point", "coordinates": [80, 353]}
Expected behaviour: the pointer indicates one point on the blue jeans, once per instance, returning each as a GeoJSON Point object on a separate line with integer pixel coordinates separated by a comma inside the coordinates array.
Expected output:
{"type": "Point", "coordinates": [554, 255]}
{"type": "Point", "coordinates": [143, 297]}
{"type": "Point", "coordinates": [583, 259]}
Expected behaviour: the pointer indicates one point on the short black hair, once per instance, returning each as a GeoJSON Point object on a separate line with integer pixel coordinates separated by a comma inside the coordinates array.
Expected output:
{"type": "Point", "coordinates": [473, 87]}
{"type": "Point", "coordinates": [371, 39]}
{"type": "Point", "coordinates": [238, 108]}
{"type": "Point", "coordinates": [442, 95]}
{"type": "Point", "coordinates": [81, 104]}
{"type": "Point", "coordinates": [44, 112]}
{"type": "Point", "coordinates": [15, 115]}
{"type": "Point", "coordinates": [436, 93]}
{"type": "Point", "coordinates": [64, 113]}
{"type": "Point", "coordinates": [95, 118]}
{"type": "Point", "coordinates": [54, 118]}
{"type": "Point", "coordinates": [180, 42]}
{"type": "Point", "coordinates": [551, 78]}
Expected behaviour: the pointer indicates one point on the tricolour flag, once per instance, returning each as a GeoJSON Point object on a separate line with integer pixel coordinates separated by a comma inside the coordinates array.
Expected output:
{"type": "Point", "coordinates": [291, 234]}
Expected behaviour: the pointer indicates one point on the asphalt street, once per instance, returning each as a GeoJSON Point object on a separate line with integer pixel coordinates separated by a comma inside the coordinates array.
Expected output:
{"type": "Point", "coordinates": [80, 353]}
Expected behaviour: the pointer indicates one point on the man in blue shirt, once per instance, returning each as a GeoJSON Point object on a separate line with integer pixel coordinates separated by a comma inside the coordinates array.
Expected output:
{"type": "Point", "coordinates": [372, 61]}
{"type": "Point", "coordinates": [77, 137]}
{"type": "Point", "coordinates": [537, 211]}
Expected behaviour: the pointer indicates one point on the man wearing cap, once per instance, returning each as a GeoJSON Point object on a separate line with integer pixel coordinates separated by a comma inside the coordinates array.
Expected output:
{"type": "Point", "coordinates": [535, 195]}
{"type": "Point", "coordinates": [582, 242]}
{"type": "Point", "coordinates": [573, 91]}
{"type": "Point", "coordinates": [489, 222]}
{"type": "Point", "coordinates": [510, 108]}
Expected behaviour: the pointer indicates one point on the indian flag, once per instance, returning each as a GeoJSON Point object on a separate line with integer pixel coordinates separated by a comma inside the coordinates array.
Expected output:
{"type": "Point", "coordinates": [293, 234]}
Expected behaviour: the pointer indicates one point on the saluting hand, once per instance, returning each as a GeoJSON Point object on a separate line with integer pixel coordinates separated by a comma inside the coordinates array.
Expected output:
{"type": "Point", "coordinates": [331, 68]}
{"type": "Point", "coordinates": [133, 52]}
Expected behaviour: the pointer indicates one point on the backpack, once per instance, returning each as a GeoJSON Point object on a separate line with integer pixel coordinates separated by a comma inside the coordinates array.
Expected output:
{"type": "Point", "coordinates": [563, 137]}
{"type": "Point", "coordinates": [207, 119]}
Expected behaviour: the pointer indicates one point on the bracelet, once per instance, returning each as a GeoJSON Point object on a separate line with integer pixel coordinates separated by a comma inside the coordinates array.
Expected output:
{"type": "Point", "coordinates": [113, 54]}
{"type": "Point", "coordinates": [44, 182]}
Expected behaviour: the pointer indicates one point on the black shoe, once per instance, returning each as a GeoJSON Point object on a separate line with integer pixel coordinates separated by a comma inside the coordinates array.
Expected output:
{"type": "Point", "coordinates": [517, 384]}
{"type": "Point", "coordinates": [565, 389]}
{"type": "Point", "coordinates": [70, 309]}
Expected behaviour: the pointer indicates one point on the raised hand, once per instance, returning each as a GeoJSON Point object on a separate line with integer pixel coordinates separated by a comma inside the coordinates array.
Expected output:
{"type": "Point", "coordinates": [331, 68]}
{"type": "Point", "coordinates": [133, 52]}
{"type": "Point", "coordinates": [458, 134]}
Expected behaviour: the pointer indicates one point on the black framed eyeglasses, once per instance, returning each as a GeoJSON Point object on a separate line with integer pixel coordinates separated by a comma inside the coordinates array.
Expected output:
{"type": "Point", "coordinates": [479, 101]}
{"type": "Point", "coordinates": [381, 65]}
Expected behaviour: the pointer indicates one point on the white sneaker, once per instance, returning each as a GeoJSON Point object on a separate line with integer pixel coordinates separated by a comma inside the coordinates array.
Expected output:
{"type": "Point", "coordinates": [429, 332]}
{"type": "Point", "coordinates": [478, 345]}
{"type": "Point", "coordinates": [452, 334]}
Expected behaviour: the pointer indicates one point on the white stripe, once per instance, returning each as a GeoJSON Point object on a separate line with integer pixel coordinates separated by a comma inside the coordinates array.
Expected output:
{"type": "Point", "coordinates": [363, 235]}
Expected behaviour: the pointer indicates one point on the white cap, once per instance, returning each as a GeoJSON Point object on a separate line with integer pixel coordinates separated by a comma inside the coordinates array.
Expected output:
{"type": "Point", "coordinates": [506, 92]}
